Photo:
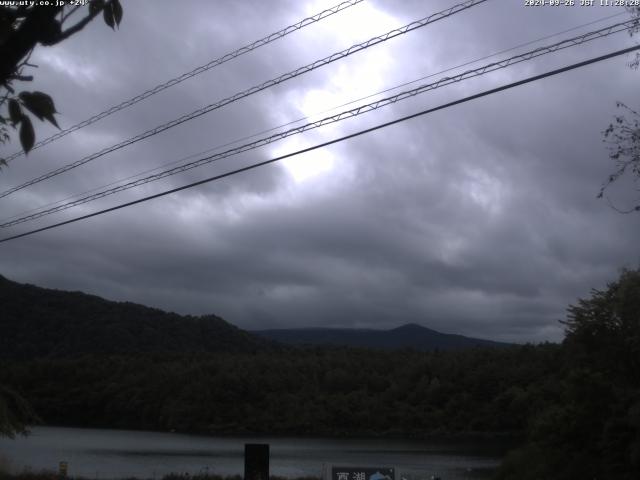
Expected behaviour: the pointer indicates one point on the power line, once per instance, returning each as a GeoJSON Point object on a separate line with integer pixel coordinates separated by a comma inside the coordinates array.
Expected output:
{"type": "Point", "coordinates": [332, 119]}
{"type": "Point", "coordinates": [196, 71]}
{"type": "Point", "coordinates": [292, 122]}
{"type": "Point", "coordinates": [270, 83]}
{"type": "Point", "coordinates": [331, 142]}
{"type": "Point", "coordinates": [491, 67]}
{"type": "Point", "coordinates": [470, 62]}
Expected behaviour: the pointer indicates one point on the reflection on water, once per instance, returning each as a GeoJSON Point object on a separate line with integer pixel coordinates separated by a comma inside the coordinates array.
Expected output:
{"type": "Point", "coordinates": [102, 454]}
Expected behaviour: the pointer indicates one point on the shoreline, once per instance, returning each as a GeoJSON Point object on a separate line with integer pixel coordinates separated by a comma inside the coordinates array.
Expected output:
{"type": "Point", "coordinates": [438, 436]}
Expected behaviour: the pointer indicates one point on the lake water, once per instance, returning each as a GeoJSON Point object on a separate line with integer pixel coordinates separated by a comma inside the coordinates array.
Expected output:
{"type": "Point", "coordinates": [103, 454]}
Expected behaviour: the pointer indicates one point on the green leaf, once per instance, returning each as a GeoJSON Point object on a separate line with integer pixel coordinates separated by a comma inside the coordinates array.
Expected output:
{"type": "Point", "coordinates": [27, 135]}
{"type": "Point", "coordinates": [40, 100]}
{"type": "Point", "coordinates": [15, 112]}
{"type": "Point", "coordinates": [117, 11]}
{"type": "Point", "coordinates": [30, 104]}
{"type": "Point", "coordinates": [51, 119]}
{"type": "Point", "coordinates": [107, 13]}
{"type": "Point", "coordinates": [40, 104]}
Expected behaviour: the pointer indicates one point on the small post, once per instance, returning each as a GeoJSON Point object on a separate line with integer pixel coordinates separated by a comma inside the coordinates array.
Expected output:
{"type": "Point", "coordinates": [256, 461]}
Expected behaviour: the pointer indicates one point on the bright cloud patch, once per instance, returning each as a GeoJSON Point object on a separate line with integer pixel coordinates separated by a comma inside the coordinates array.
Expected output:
{"type": "Point", "coordinates": [308, 165]}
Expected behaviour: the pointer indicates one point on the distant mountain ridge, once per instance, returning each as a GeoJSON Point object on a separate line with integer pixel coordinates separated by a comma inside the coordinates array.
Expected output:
{"type": "Point", "coordinates": [38, 322]}
{"type": "Point", "coordinates": [407, 336]}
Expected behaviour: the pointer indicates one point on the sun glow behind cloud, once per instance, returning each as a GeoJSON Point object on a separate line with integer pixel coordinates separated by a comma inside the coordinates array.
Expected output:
{"type": "Point", "coordinates": [360, 75]}
{"type": "Point", "coordinates": [305, 166]}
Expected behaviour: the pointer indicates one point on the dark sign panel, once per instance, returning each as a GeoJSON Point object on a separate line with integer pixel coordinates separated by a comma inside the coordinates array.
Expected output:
{"type": "Point", "coordinates": [256, 461]}
{"type": "Point", "coordinates": [362, 473]}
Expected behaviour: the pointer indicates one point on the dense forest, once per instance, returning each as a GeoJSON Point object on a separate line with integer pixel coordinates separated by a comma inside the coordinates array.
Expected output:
{"type": "Point", "coordinates": [321, 391]}
{"type": "Point", "coordinates": [575, 407]}
{"type": "Point", "coordinates": [39, 322]}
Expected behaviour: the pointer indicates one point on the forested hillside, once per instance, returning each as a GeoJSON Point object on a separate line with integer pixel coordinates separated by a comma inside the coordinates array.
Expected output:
{"type": "Point", "coordinates": [38, 322]}
{"type": "Point", "coordinates": [318, 391]}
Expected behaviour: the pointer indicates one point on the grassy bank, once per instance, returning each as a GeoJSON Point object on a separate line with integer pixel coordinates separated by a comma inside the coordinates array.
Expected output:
{"type": "Point", "coordinates": [49, 475]}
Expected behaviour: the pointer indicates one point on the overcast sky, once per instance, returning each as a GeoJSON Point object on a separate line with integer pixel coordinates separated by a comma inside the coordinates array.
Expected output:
{"type": "Point", "coordinates": [481, 219]}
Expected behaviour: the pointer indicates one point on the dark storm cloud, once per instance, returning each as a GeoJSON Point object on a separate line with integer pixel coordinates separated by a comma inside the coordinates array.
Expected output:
{"type": "Point", "coordinates": [480, 219]}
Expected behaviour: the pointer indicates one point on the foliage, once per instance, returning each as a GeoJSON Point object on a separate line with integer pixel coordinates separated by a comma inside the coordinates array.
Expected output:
{"type": "Point", "coordinates": [591, 427]}
{"type": "Point", "coordinates": [22, 28]}
{"type": "Point", "coordinates": [635, 13]}
{"type": "Point", "coordinates": [38, 322]}
{"type": "Point", "coordinates": [322, 391]}
{"type": "Point", "coordinates": [623, 135]}
{"type": "Point", "coordinates": [609, 322]}
{"type": "Point", "coordinates": [623, 138]}
{"type": "Point", "coordinates": [15, 413]}
{"type": "Point", "coordinates": [47, 475]}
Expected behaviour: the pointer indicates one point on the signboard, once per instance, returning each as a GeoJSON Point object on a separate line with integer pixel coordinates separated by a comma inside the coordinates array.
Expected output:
{"type": "Point", "coordinates": [362, 473]}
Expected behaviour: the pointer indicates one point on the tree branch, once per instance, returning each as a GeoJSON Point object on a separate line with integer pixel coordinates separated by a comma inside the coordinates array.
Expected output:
{"type": "Point", "coordinates": [619, 210]}
{"type": "Point", "coordinates": [22, 78]}
{"type": "Point", "coordinates": [24, 39]}
{"type": "Point", "coordinates": [79, 26]}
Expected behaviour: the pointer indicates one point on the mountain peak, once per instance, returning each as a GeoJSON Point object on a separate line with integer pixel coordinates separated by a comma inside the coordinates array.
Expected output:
{"type": "Point", "coordinates": [411, 335]}
{"type": "Point", "coordinates": [410, 327]}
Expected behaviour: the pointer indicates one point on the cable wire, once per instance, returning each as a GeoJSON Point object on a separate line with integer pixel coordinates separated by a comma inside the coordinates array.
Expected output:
{"type": "Point", "coordinates": [292, 122]}
{"type": "Point", "coordinates": [491, 67]}
{"type": "Point", "coordinates": [331, 142]}
{"type": "Point", "coordinates": [196, 71]}
{"type": "Point", "coordinates": [270, 83]}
